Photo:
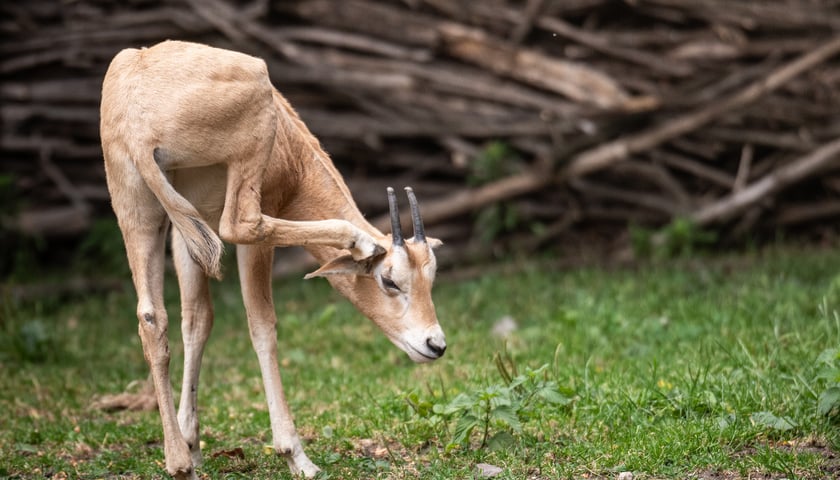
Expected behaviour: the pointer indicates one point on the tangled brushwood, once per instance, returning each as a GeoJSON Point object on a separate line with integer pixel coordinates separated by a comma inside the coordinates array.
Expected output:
{"type": "Point", "coordinates": [524, 124]}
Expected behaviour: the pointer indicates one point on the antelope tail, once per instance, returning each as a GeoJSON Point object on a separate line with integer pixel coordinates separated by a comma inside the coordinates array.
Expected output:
{"type": "Point", "coordinates": [203, 243]}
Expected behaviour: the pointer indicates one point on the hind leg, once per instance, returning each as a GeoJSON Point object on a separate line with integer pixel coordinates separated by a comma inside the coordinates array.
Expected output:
{"type": "Point", "coordinates": [144, 224]}
{"type": "Point", "coordinates": [196, 323]}
{"type": "Point", "coordinates": [147, 249]}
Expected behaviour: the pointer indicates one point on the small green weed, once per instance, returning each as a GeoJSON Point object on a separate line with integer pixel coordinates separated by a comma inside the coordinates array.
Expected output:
{"type": "Point", "coordinates": [34, 342]}
{"type": "Point", "coordinates": [680, 238]}
{"type": "Point", "coordinates": [496, 161]}
{"type": "Point", "coordinates": [502, 407]}
{"type": "Point", "coordinates": [829, 375]}
{"type": "Point", "coordinates": [27, 338]}
{"type": "Point", "coordinates": [102, 249]}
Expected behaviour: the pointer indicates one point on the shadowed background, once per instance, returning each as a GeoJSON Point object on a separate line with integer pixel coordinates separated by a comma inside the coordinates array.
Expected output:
{"type": "Point", "coordinates": [606, 127]}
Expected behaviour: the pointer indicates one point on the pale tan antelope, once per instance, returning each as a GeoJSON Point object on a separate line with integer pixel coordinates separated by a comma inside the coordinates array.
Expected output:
{"type": "Point", "coordinates": [198, 136]}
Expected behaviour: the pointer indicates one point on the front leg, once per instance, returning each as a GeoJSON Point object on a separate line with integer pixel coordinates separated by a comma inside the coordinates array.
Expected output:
{"type": "Point", "coordinates": [255, 277]}
{"type": "Point", "coordinates": [339, 234]}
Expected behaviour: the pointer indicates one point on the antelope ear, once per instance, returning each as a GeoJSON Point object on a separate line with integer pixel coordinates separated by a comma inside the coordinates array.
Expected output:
{"type": "Point", "coordinates": [434, 242]}
{"type": "Point", "coordinates": [343, 265]}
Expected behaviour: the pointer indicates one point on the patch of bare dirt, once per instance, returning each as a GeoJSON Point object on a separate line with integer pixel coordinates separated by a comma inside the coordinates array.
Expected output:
{"type": "Point", "coordinates": [830, 468]}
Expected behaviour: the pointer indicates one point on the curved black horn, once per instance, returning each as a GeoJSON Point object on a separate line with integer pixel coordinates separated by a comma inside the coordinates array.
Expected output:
{"type": "Point", "coordinates": [419, 231]}
{"type": "Point", "coordinates": [396, 231]}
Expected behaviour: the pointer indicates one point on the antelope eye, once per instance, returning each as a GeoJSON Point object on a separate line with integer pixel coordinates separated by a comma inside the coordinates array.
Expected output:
{"type": "Point", "coordinates": [389, 284]}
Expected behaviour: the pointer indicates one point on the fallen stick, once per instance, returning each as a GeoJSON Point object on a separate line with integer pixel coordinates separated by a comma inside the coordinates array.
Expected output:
{"type": "Point", "coordinates": [821, 158]}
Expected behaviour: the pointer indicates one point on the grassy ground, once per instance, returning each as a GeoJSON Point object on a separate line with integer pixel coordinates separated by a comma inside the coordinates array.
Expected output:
{"type": "Point", "coordinates": [708, 368]}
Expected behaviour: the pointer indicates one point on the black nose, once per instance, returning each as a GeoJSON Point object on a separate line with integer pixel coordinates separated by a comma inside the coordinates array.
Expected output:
{"type": "Point", "coordinates": [436, 349]}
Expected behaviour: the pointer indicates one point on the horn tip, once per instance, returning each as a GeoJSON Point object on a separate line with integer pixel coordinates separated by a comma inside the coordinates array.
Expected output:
{"type": "Point", "coordinates": [390, 189]}
{"type": "Point", "coordinates": [409, 189]}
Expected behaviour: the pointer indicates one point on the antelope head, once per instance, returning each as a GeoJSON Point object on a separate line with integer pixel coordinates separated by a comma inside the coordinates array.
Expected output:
{"type": "Point", "coordinates": [394, 288]}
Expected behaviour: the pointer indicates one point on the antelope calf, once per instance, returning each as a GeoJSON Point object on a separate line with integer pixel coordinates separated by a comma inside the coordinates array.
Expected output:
{"type": "Point", "coordinates": [198, 137]}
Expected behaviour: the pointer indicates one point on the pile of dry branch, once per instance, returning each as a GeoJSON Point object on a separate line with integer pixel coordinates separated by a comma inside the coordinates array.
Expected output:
{"type": "Point", "coordinates": [522, 121]}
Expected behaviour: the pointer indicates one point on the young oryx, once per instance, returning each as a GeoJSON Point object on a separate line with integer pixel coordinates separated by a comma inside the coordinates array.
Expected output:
{"type": "Point", "coordinates": [198, 136]}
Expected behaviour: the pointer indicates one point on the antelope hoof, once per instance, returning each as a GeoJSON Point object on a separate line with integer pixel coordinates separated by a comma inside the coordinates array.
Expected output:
{"type": "Point", "coordinates": [184, 473]}
{"type": "Point", "coordinates": [179, 462]}
{"type": "Point", "coordinates": [197, 459]}
{"type": "Point", "coordinates": [186, 476]}
{"type": "Point", "coordinates": [298, 462]}
{"type": "Point", "coordinates": [365, 248]}
{"type": "Point", "coordinates": [303, 466]}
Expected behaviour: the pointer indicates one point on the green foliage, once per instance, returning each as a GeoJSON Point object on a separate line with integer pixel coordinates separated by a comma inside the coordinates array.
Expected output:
{"type": "Point", "coordinates": [33, 341]}
{"type": "Point", "coordinates": [828, 374]}
{"type": "Point", "coordinates": [24, 259]}
{"type": "Point", "coordinates": [496, 219]}
{"type": "Point", "coordinates": [770, 421]}
{"type": "Point", "coordinates": [102, 250]}
{"type": "Point", "coordinates": [502, 407]}
{"type": "Point", "coordinates": [27, 339]}
{"type": "Point", "coordinates": [496, 161]}
{"type": "Point", "coordinates": [680, 238]}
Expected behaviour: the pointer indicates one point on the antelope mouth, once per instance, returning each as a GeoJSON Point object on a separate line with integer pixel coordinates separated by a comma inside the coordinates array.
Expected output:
{"type": "Point", "coordinates": [417, 355]}
{"type": "Point", "coordinates": [428, 357]}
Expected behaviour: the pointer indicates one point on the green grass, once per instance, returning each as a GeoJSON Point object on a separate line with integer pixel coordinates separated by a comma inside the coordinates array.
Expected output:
{"type": "Point", "coordinates": [692, 368]}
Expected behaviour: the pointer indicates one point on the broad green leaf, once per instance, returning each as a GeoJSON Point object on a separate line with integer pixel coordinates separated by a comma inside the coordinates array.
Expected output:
{"type": "Point", "coordinates": [550, 394]}
{"type": "Point", "coordinates": [517, 381]}
{"type": "Point", "coordinates": [502, 399]}
{"type": "Point", "coordinates": [501, 441]}
{"type": "Point", "coordinates": [508, 416]}
{"type": "Point", "coordinates": [539, 371]}
{"type": "Point", "coordinates": [725, 421]}
{"type": "Point", "coordinates": [829, 374]}
{"type": "Point", "coordinates": [829, 400]}
{"type": "Point", "coordinates": [461, 403]}
{"type": "Point", "coordinates": [769, 420]}
{"type": "Point", "coordinates": [829, 356]}
{"type": "Point", "coordinates": [463, 428]}
{"type": "Point", "coordinates": [26, 448]}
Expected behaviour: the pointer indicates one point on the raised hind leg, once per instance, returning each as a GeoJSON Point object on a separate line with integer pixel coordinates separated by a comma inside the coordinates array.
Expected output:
{"type": "Point", "coordinates": [196, 323]}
